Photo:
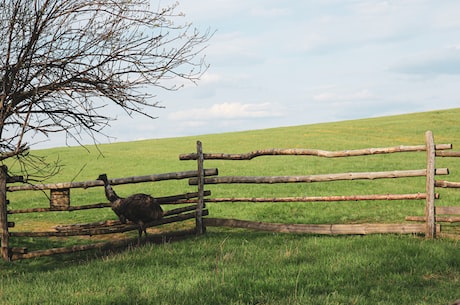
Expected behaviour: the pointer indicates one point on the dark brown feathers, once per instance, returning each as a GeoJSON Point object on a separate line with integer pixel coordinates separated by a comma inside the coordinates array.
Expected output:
{"type": "Point", "coordinates": [138, 208]}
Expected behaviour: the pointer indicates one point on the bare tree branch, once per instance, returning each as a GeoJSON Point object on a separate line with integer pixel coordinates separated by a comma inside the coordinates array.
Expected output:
{"type": "Point", "coordinates": [63, 61]}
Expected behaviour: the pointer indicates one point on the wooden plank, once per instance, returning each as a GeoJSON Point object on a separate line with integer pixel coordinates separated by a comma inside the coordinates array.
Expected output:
{"type": "Point", "coordinates": [78, 226]}
{"type": "Point", "coordinates": [430, 192]}
{"type": "Point", "coordinates": [176, 199]}
{"type": "Point", "coordinates": [117, 228]}
{"type": "Point", "coordinates": [312, 152]}
{"type": "Point", "coordinates": [450, 219]}
{"type": "Point", "coordinates": [447, 184]}
{"type": "Point", "coordinates": [200, 181]}
{"type": "Point", "coordinates": [418, 196]}
{"type": "Point", "coordinates": [109, 223]}
{"type": "Point", "coordinates": [116, 181]}
{"type": "Point", "coordinates": [447, 153]}
{"type": "Point", "coordinates": [448, 210]}
{"type": "Point", "coordinates": [4, 234]}
{"type": "Point", "coordinates": [157, 238]}
{"type": "Point", "coordinates": [64, 209]}
{"type": "Point", "coordinates": [319, 178]}
{"type": "Point", "coordinates": [328, 229]}
{"type": "Point", "coordinates": [21, 250]}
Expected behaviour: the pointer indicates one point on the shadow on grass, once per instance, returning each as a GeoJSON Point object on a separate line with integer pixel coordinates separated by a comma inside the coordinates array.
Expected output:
{"type": "Point", "coordinates": [105, 247]}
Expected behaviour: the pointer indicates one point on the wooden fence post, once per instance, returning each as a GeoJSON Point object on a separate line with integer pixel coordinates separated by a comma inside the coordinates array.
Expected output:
{"type": "Point", "coordinates": [3, 214]}
{"type": "Point", "coordinates": [430, 185]}
{"type": "Point", "coordinates": [200, 229]}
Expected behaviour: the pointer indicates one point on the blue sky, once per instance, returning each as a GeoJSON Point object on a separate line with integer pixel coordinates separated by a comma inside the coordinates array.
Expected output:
{"type": "Point", "coordinates": [283, 63]}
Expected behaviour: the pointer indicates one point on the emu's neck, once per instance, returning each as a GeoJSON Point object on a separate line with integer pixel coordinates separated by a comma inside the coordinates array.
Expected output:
{"type": "Point", "coordinates": [109, 192]}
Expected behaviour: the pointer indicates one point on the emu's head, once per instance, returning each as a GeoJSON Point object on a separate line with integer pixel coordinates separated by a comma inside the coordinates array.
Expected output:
{"type": "Point", "coordinates": [102, 177]}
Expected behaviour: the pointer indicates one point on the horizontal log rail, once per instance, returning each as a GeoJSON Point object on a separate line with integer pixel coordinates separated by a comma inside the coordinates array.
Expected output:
{"type": "Point", "coordinates": [447, 184]}
{"type": "Point", "coordinates": [319, 178]}
{"type": "Point", "coordinates": [115, 228]}
{"type": "Point", "coordinates": [447, 153]}
{"type": "Point", "coordinates": [22, 253]}
{"type": "Point", "coordinates": [334, 229]}
{"type": "Point", "coordinates": [313, 152]}
{"type": "Point", "coordinates": [417, 196]}
{"type": "Point", "coordinates": [451, 219]}
{"type": "Point", "coordinates": [448, 210]}
{"type": "Point", "coordinates": [111, 223]}
{"type": "Point", "coordinates": [116, 181]}
{"type": "Point", "coordinates": [176, 199]}
{"type": "Point", "coordinates": [61, 209]}
{"type": "Point", "coordinates": [90, 225]}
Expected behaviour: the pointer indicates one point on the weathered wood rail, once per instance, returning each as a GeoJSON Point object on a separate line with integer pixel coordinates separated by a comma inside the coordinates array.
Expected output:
{"type": "Point", "coordinates": [312, 152]}
{"type": "Point", "coordinates": [60, 202]}
{"type": "Point", "coordinates": [115, 181]}
{"type": "Point", "coordinates": [320, 178]}
{"type": "Point", "coordinates": [331, 229]}
{"type": "Point", "coordinates": [429, 228]}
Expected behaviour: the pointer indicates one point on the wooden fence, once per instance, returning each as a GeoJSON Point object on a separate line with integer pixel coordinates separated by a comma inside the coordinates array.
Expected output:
{"type": "Point", "coordinates": [60, 202]}
{"type": "Point", "coordinates": [195, 202]}
{"type": "Point", "coordinates": [429, 227]}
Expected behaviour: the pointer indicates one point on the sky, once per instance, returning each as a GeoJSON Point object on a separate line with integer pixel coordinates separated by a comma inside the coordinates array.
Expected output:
{"type": "Point", "coordinates": [280, 63]}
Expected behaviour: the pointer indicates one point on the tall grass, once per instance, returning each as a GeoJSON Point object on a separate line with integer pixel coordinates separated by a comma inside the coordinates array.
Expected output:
{"type": "Point", "coordinates": [241, 267]}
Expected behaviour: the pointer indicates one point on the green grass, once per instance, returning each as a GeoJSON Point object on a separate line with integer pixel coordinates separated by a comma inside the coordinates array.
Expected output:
{"type": "Point", "coordinates": [235, 267]}
{"type": "Point", "coordinates": [245, 267]}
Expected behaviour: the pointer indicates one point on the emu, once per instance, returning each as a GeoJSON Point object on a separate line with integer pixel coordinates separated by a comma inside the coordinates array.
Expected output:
{"type": "Point", "coordinates": [138, 208]}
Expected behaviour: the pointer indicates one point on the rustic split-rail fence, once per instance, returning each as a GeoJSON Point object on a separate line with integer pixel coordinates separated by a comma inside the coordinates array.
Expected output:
{"type": "Point", "coordinates": [60, 202]}
{"type": "Point", "coordinates": [427, 224]}
{"type": "Point", "coordinates": [193, 204]}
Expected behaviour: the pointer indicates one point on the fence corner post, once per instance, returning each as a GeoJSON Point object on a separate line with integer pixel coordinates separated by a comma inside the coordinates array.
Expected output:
{"type": "Point", "coordinates": [430, 186]}
{"type": "Point", "coordinates": [200, 228]}
{"type": "Point", "coordinates": [5, 251]}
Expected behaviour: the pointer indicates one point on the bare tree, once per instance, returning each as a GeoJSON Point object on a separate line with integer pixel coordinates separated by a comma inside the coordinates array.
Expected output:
{"type": "Point", "coordinates": [63, 61]}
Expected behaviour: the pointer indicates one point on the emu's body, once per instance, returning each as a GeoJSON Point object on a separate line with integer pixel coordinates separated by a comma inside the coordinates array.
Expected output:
{"type": "Point", "coordinates": [138, 208]}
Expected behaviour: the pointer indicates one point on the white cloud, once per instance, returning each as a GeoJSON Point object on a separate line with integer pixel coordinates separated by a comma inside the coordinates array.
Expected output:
{"type": "Point", "coordinates": [210, 78]}
{"type": "Point", "coordinates": [228, 111]}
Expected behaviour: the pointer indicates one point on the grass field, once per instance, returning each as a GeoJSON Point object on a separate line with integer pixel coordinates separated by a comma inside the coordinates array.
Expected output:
{"type": "Point", "coordinates": [245, 267]}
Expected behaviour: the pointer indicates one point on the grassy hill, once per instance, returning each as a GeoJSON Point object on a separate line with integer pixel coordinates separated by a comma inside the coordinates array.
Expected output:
{"type": "Point", "coordinates": [240, 267]}
{"type": "Point", "coordinates": [161, 156]}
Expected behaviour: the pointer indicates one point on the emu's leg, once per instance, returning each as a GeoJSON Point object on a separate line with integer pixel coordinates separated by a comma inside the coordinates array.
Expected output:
{"type": "Point", "coordinates": [142, 228]}
{"type": "Point", "coordinates": [139, 236]}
